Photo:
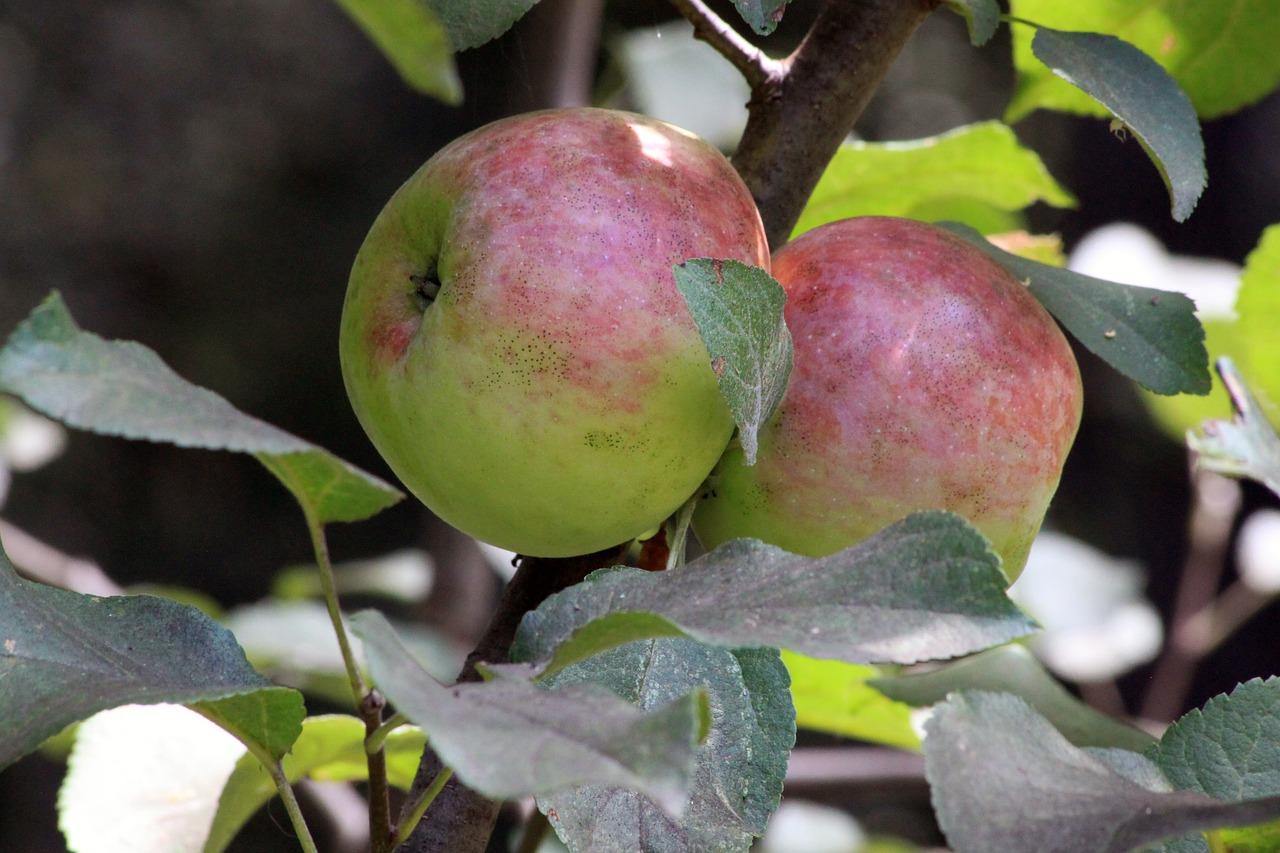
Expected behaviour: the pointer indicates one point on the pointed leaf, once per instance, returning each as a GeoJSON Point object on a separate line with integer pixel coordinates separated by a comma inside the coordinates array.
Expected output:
{"type": "Point", "coordinates": [925, 588]}
{"type": "Point", "coordinates": [980, 164]}
{"type": "Point", "coordinates": [330, 748]}
{"type": "Point", "coordinates": [982, 17]}
{"type": "Point", "coordinates": [122, 388]}
{"type": "Point", "coordinates": [1247, 446]}
{"type": "Point", "coordinates": [471, 23]}
{"type": "Point", "coordinates": [1013, 669]}
{"type": "Point", "coordinates": [762, 15]}
{"type": "Point", "coordinates": [510, 738]}
{"type": "Point", "coordinates": [1152, 336]}
{"type": "Point", "coordinates": [741, 766]}
{"type": "Point", "coordinates": [1220, 51]}
{"type": "Point", "coordinates": [981, 750]}
{"type": "Point", "coordinates": [65, 656]}
{"type": "Point", "coordinates": [1229, 750]}
{"type": "Point", "coordinates": [1137, 91]}
{"type": "Point", "coordinates": [738, 311]}
{"type": "Point", "coordinates": [413, 39]}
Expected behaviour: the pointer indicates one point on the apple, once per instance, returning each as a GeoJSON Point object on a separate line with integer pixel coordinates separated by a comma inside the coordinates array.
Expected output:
{"type": "Point", "coordinates": [512, 338]}
{"type": "Point", "coordinates": [926, 376]}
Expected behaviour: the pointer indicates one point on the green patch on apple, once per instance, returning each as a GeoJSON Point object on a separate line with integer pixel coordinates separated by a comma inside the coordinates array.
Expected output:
{"type": "Point", "coordinates": [513, 341]}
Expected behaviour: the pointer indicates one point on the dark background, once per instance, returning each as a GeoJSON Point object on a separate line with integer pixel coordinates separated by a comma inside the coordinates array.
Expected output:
{"type": "Point", "coordinates": [197, 176]}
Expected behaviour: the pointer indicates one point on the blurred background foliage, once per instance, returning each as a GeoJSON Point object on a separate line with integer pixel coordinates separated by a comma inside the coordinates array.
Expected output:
{"type": "Point", "coordinates": [198, 174]}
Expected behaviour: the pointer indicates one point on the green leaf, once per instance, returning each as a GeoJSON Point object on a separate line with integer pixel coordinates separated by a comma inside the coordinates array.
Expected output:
{"type": "Point", "coordinates": [762, 15]}
{"type": "Point", "coordinates": [1152, 336]}
{"type": "Point", "coordinates": [924, 588]}
{"type": "Point", "coordinates": [833, 696]}
{"type": "Point", "coordinates": [1229, 750]}
{"type": "Point", "coordinates": [1222, 52]}
{"type": "Point", "coordinates": [983, 750]}
{"type": "Point", "coordinates": [122, 388]}
{"type": "Point", "coordinates": [737, 781]}
{"type": "Point", "coordinates": [471, 23]}
{"type": "Point", "coordinates": [413, 39]}
{"type": "Point", "coordinates": [982, 17]}
{"type": "Point", "coordinates": [1137, 91]}
{"type": "Point", "coordinates": [934, 178]}
{"type": "Point", "coordinates": [1247, 446]}
{"type": "Point", "coordinates": [1013, 669]}
{"type": "Point", "coordinates": [1258, 307]}
{"type": "Point", "coordinates": [331, 749]}
{"type": "Point", "coordinates": [510, 738]}
{"type": "Point", "coordinates": [738, 311]}
{"type": "Point", "coordinates": [65, 656]}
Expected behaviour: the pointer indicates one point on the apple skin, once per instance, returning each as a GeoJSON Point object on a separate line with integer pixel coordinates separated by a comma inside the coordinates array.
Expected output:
{"type": "Point", "coordinates": [925, 377]}
{"type": "Point", "coordinates": [554, 398]}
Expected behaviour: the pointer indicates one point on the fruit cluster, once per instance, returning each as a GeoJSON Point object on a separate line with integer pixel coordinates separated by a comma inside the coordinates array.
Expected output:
{"type": "Point", "coordinates": [514, 344]}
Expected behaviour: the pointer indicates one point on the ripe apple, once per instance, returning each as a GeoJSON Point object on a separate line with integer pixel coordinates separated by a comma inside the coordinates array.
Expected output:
{"type": "Point", "coordinates": [512, 338]}
{"type": "Point", "coordinates": [926, 377]}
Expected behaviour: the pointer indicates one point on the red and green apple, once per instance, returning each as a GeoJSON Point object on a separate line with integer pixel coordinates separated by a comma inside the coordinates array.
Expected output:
{"type": "Point", "coordinates": [926, 376]}
{"type": "Point", "coordinates": [512, 338]}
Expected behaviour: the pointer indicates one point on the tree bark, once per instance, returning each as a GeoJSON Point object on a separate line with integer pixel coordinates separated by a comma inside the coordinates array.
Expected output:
{"type": "Point", "coordinates": [806, 107]}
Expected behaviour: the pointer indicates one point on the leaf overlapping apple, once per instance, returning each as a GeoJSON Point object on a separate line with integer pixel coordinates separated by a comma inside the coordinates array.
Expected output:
{"type": "Point", "coordinates": [515, 346]}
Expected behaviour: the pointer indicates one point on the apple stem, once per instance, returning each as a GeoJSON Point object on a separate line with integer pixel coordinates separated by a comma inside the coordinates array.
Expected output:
{"type": "Point", "coordinates": [426, 287]}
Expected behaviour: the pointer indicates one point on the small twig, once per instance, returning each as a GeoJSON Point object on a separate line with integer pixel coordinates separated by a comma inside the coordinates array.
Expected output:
{"type": "Point", "coordinates": [321, 548]}
{"type": "Point", "coordinates": [377, 739]}
{"type": "Point", "coordinates": [44, 563]}
{"type": "Point", "coordinates": [381, 832]}
{"type": "Point", "coordinates": [1209, 628]}
{"type": "Point", "coordinates": [752, 62]}
{"type": "Point", "coordinates": [1216, 500]}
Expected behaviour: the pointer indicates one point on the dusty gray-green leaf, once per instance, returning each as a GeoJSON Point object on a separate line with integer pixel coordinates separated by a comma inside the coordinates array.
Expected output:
{"type": "Point", "coordinates": [762, 15]}
{"type": "Point", "coordinates": [927, 587]}
{"type": "Point", "coordinates": [1247, 445]}
{"type": "Point", "coordinates": [510, 738]}
{"type": "Point", "coordinates": [1013, 669]}
{"type": "Point", "coordinates": [413, 40]}
{"type": "Point", "coordinates": [1152, 336]}
{"type": "Point", "coordinates": [981, 16]}
{"type": "Point", "coordinates": [737, 781]}
{"type": "Point", "coordinates": [65, 656]}
{"type": "Point", "coordinates": [1137, 91]}
{"type": "Point", "coordinates": [123, 389]}
{"type": "Point", "coordinates": [981, 166]}
{"type": "Point", "coordinates": [471, 23]}
{"type": "Point", "coordinates": [738, 311]}
{"type": "Point", "coordinates": [1229, 750]}
{"type": "Point", "coordinates": [981, 749]}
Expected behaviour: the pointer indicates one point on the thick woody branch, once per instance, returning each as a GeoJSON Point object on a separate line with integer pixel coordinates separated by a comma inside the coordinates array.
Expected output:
{"type": "Point", "coordinates": [800, 115]}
